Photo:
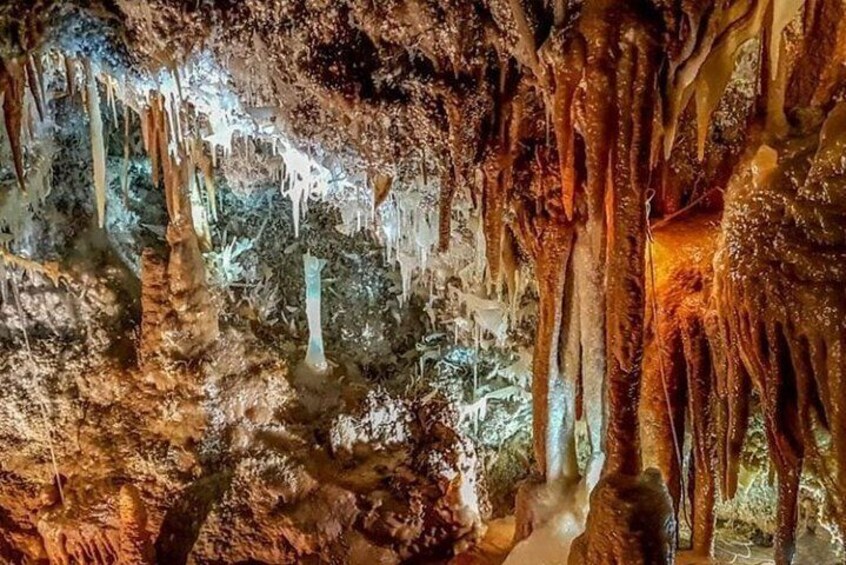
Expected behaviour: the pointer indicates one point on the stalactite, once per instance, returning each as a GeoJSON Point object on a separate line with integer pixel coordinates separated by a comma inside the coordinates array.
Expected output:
{"type": "Point", "coordinates": [124, 171]}
{"type": "Point", "coordinates": [497, 190]}
{"type": "Point", "coordinates": [549, 242]}
{"type": "Point", "coordinates": [813, 81]}
{"type": "Point", "coordinates": [776, 120]}
{"type": "Point", "coordinates": [570, 352]}
{"type": "Point", "coordinates": [718, 67]}
{"type": "Point", "coordinates": [564, 59]}
{"type": "Point", "coordinates": [150, 128]}
{"type": "Point", "coordinates": [493, 210]}
{"type": "Point", "coordinates": [776, 88]}
{"type": "Point", "coordinates": [783, 13]}
{"type": "Point", "coordinates": [588, 260]}
{"type": "Point", "coordinates": [182, 308]}
{"type": "Point", "coordinates": [381, 188]}
{"type": "Point", "coordinates": [527, 50]}
{"type": "Point", "coordinates": [700, 383]}
{"type": "Point", "coordinates": [733, 393]}
{"type": "Point", "coordinates": [204, 163]}
{"type": "Point", "coordinates": [33, 77]}
{"type": "Point", "coordinates": [793, 355]}
{"type": "Point", "coordinates": [663, 396]}
{"type": "Point", "coordinates": [509, 269]}
{"type": "Point", "coordinates": [98, 145]}
{"type": "Point", "coordinates": [591, 248]}
{"type": "Point", "coordinates": [12, 85]}
{"type": "Point", "coordinates": [70, 75]}
{"type": "Point", "coordinates": [455, 172]}
{"type": "Point", "coordinates": [447, 194]}
{"type": "Point", "coordinates": [685, 372]}
{"type": "Point", "coordinates": [705, 66]}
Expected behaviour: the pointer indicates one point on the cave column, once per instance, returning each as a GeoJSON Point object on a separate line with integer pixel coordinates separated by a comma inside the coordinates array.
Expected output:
{"type": "Point", "coordinates": [625, 270]}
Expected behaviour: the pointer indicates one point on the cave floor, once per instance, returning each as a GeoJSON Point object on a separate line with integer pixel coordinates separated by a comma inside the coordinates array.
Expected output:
{"type": "Point", "coordinates": [729, 550]}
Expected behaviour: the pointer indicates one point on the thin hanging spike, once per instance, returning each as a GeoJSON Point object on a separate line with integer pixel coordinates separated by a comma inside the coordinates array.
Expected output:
{"type": "Point", "coordinates": [782, 13]}
{"type": "Point", "coordinates": [145, 128]}
{"type": "Point", "coordinates": [98, 146]}
{"type": "Point", "coordinates": [177, 121]}
{"type": "Point", "coordinates": [113, 88]}
{"type": "Point", "coordinates": [34, 87]}
{"type": "Point", "coordinates": [124, 173]}
{"type": "Point", "coordinates": [208, 178]}
{"type": "Point", "coordinates": [39, 75]}
{"type": "Point", "coordinates": [12, 86]}
{"type": "Point", "coordinates": [28, 126]}
{"type": "Point", "coordinates": [153, 148]}
{"type": "Point", "coordinates": [70, 75]}
{"type": "Point", "coordinates": [176, 79]}
{"type": "Point", "coordinates": [110, 96]}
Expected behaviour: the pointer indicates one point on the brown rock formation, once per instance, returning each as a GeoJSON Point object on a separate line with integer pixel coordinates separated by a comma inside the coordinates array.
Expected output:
{"type": "Point", "coordinates": [781, 306]}
{"type": "Point", "coordinates": [630, 521]}
{"type": "Point", "coordinates": [680, 382]}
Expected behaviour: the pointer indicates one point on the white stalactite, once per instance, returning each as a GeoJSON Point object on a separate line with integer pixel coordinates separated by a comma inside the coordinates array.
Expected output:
{"type": "Point", "coordinates": [98, 146]}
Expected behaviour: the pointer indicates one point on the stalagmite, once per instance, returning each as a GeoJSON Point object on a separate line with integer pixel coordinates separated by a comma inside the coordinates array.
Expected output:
{"type": "Point", "coordinates": [98, 145]}
{"type": "Point", "coordinates": [135, 547]}
{"type": "Point", "coordinates": [315, 356]}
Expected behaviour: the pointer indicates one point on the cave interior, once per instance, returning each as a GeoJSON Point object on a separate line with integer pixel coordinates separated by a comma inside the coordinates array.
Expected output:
{"type": "Point", "coordinates": [422, 281]}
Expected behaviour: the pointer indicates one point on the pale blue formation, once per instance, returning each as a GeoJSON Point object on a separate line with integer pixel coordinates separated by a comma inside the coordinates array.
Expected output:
{"type": "Point", "coordinates": [315, 355]}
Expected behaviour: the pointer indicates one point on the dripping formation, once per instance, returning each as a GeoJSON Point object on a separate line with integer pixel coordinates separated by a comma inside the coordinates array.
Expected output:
{"type": "Point", "coordinates": [561, 130]}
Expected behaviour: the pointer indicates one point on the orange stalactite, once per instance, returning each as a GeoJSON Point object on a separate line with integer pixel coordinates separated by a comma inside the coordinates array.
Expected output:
{"type": "Point", "coordinates": [13, 85]}
{"type": "Point", "coordinates": [34, 80]}
{"type": "Point", "coordinates": [549, 240]}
